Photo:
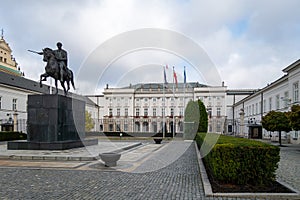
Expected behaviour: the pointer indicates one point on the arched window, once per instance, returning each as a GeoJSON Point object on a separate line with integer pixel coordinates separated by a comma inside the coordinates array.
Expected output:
{"type": "Point", "coordinates": [145, 127]}
{"type": "Point", "coordinates": [137, 127]}
{"type": "Point", "coordinates": [154, 127]}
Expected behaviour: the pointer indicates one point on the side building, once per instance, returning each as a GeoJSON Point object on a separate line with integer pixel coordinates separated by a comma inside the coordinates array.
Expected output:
{"type": "Point", "coordinates": [278, 96]}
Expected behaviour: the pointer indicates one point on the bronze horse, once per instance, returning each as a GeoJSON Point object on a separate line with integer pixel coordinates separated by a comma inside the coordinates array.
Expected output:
{"type": "Point", "coordinates": [52, 70]}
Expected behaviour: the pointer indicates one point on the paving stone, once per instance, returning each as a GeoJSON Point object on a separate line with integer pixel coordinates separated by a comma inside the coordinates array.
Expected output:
{"type": "Point", "coordinates": [178, 179]}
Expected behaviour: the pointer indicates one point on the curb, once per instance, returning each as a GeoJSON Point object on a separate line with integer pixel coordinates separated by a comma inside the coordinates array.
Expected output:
{"type": "Point", "coordinates": [209, 193]}
{"type": "Point", "coordinates": [62, 158]}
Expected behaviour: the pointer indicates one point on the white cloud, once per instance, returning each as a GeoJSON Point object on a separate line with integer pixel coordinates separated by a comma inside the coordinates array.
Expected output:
{"type": "Point", "coordinates": [243, 38]}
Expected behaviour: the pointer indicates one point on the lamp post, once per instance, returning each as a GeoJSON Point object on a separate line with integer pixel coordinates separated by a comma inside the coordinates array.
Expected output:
{"type": "Point", "coordinates": [242, 114]}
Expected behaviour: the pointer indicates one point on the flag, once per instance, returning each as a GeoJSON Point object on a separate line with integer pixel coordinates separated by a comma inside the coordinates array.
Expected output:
{"type": "Point", "coordinates": [165, 77]}
{"type": "Point", "coordinates": [175, 78]}
{"type": "Point", "coordinates": [184, 76]}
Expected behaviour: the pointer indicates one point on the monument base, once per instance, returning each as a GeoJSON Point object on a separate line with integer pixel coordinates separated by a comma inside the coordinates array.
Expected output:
{"type": "Point", "coordinates": [58, 145]}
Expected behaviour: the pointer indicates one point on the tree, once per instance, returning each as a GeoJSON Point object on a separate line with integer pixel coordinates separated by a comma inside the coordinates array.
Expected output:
{"type": "Point", "coordinates": [294, 117]}
{"type": "Point", "coordinates": [203, 120]}
{"type": "Point", "coordinates": [191, 120]}
{"type": "Point", "coordinates": [276, 121]}
{"type": "Point", "coordinates": [89, 122]}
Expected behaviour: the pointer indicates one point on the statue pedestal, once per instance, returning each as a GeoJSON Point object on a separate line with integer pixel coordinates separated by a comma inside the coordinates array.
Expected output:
{"type": "Point", "coordinates": [54, 122]}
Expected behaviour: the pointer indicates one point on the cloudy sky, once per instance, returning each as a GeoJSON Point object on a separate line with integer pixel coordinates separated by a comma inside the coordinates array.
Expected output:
{"type": "Point", "coordinates": [247, 42]}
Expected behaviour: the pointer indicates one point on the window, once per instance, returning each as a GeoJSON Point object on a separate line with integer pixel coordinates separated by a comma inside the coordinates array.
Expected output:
{"type": "Point", "coordinates": [14, 104]}
{"type": "Point", "coordinates": [219, 126]}
{"type": "Point", "coordinates": [110, 112]}
{"type": "Point", "coordinates": [181, 112]}
{"type": "Point", "coordinates": [256, 108]}
{"type": "Point", "coordinates": [296, 92]}
{"type": "Point", "coordinates": [118, 126]}
{"type": "Point", "coordinates": [270, 103]}
{"type": "Point", "coordinates": [146, 99]}
{"type": "Point", "coordinates": [218, 112]}
{"type": "Point", "coordinates": [125, 126]}
{"type": "Point", "coordinates": [145, 112]}
{"type": "Point", "coordinates": [277, 102]}
{"type": "Point", "coordinates": [137, 112]}
{"type": "Point", "coordinates": [154, 112]}
{"type": "Point", "coordinates": [265, 105]}
{"type": "Point", "coordinates": [209, 112]}
{"type": "Point", "coordinates": [126, 112]}
{"type": "Point", "coordinates": [172, 112]}
{"type": "Point", "coordinates": [0, 102]}
{"type": "Point", "coordinates": [154, 99]}
{"type": "Point", "coordinates": [118, 112]}
{"type": "Point", "coordinates": [163, 111]}
{"type": "Point", "coordinates": [111, 127]}
{"type": "Point", "coordinates": [286, 99]}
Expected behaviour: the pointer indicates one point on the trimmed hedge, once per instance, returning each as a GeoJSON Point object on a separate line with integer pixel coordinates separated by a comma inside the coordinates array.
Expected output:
{"type": "Point", "coordinates": [6, 136]}
{"type": "Point", "coordinates": [240, 161]}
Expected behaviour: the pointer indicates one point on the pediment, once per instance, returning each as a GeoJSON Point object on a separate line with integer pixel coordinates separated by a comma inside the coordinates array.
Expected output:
{"type": "Point", "coordinates": [4, 46]}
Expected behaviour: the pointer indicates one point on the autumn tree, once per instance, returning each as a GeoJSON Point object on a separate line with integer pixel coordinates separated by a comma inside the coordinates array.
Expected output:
{"type": "Point", "coordinates": [294, 117]}
{"type": "Point", "coordinates": [276, 121]}
{"type": "Point", "coordinates": [89, 122]}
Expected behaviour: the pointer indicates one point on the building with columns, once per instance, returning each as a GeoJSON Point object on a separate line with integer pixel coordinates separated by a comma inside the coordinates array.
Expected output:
{"type": "Point", "coordinates": [146, 107]}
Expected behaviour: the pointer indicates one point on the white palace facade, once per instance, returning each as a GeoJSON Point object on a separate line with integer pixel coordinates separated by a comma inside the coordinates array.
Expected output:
{"type": "Point", "coordinates": [145, 107]}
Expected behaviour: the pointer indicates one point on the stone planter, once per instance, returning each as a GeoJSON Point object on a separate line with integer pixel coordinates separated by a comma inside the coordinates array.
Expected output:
{"type": "Point", "coordinates": [110, 159]}
{"type": "Point", "coordinates": [157, 140]}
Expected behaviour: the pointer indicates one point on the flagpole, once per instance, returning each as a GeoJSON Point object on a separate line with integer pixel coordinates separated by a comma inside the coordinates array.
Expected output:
{"type": "Point", "coordinates": [173, 101]}
{"type": "Point", "coordinates": [184, 86]}
{"type": "Point", "coordinates": [163, 107]}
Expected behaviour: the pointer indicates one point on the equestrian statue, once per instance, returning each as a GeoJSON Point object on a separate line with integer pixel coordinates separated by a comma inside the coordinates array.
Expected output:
{"type": "Point", "coordinates": [56, 67]}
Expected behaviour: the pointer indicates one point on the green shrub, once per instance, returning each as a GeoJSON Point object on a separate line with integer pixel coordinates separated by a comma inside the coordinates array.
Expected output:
{"type": "Point", "coordinates": [241, 161]}
{"type": "Point", "coordinates": [6, 136]}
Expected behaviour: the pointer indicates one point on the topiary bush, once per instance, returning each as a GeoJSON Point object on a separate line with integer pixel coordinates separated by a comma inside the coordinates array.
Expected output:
{"type": "Point", "coordinates": [6, 136]}
{"type": "Point", "coordinates": [241, 161]}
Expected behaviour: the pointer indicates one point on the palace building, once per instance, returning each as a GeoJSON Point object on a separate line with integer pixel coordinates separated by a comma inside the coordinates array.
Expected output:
{"type": "Point", "coordinates": [146, 107]}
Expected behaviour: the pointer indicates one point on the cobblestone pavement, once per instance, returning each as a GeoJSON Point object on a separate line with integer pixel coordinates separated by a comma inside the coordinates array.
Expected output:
{"type": "Point", "coordinates": [179, 180]}
{"type": "Point", "coordinates": [289, 166]}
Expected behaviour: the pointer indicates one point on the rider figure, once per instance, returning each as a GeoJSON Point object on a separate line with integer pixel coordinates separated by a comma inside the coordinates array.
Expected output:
{"type": "Point", "coordinates": [62, 59]}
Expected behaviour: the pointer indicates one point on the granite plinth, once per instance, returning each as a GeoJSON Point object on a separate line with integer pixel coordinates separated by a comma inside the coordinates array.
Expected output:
{"type": "Point", "coordinates": [53, 118]}
{"type": "Point", "coordinates": [54, 122]}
